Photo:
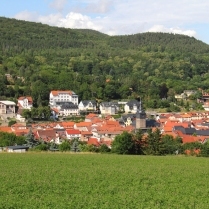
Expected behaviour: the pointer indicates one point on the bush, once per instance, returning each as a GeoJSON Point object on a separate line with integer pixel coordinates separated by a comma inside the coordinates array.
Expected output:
{"type": "Point", "coordinates": [12, 122]}
{"type": "Point", "coordinates": [41, 147]}
{"type": "Point", "coordinates": [65, 146]}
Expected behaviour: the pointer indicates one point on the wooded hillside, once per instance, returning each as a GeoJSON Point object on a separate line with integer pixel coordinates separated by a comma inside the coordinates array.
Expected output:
{"type": "Point", "coordinates": [97, 66]}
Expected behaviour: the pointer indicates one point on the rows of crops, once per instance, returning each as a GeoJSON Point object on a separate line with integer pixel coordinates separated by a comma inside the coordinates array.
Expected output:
{"type": "Point", "coordinates": [57, 180]}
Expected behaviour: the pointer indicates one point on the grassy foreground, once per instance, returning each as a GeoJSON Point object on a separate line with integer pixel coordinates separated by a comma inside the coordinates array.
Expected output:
{"type": "Point", "coordinates": [56, 180]}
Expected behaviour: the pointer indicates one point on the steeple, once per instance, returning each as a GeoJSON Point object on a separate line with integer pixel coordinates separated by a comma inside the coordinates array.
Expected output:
{"type": "Point", "coordinates": [140, 117]}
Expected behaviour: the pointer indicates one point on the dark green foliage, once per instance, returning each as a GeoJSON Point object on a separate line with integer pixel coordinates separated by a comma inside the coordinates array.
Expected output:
{"type": "Point", "coordinates": [205, 149]}
{"type": "Point", "coordinates": [123, 144]}
{"type": "Point", "coordinates": [104, 148]}
{"type": "Point", "coordinates": [12, 122]}
{"type": "Point", "coordinates": [10, 139]}
{"type": "Point", "coordinates": [154, 144]}
{"type": "Point", "coordinates": [42, 147]}
{"type": "Point", "coordinates": [65, 146]}
{"type": "Point", "coordinates": [41, 58]}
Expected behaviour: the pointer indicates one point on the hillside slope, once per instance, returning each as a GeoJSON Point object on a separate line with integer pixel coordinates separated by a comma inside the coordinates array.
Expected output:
{"type": "Point", "coordinates": [149, 65]}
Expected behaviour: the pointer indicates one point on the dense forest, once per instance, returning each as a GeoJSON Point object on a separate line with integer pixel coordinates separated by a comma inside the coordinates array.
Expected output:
{"type": "Point", "coordinates": [151, 66]}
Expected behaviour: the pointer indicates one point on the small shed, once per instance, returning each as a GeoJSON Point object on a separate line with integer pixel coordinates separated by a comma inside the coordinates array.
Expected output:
{"type": "Point", "coordinates": [17, 149]}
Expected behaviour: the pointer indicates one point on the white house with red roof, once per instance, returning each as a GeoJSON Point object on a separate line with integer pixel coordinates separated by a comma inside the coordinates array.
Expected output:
{"type": "Point", "coordinates": [65, 102]}
{"type": "Point", "coordinates": [25, 102]}
{"type": "Point", "coordinates": [72, 134]}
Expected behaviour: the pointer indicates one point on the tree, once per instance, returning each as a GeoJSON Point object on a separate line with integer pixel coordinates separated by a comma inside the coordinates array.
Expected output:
{"type": "Point", "coordinates": [154, 143]}
{"type": "Point", "coordinates": [104, 148]}
{"type": "Point", "coordinates": [65, 146]}
{"type": "Point", "coordinates": [123, 144]}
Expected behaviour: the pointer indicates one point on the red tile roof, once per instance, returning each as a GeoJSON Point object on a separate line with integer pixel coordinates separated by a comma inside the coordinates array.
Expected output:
{"type": "Point", "coordinates": [55, 93]}
{"type": "Point", "coordinates": [93, 141]}
{"type": "Point", "coordinates": [26, 97]}
{"type": "Point", "coordinates": [83, 124]}
{"type": "Point", "coordinates": [72, 131]}
{"type": "Point", "coordinates": [6, 129]}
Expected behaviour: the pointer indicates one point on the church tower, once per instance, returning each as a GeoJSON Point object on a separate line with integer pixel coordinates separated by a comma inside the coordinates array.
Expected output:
{"type": "Point", "coordinates": [140, 118]}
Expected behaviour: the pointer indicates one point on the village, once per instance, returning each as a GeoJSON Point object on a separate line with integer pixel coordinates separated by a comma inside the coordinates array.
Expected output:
{"type": "Point", "coordinates": [101, 128]}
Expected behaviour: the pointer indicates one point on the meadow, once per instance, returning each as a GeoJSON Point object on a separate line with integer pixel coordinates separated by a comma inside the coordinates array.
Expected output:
{"type": "Point", "coordinates": [62, 180]}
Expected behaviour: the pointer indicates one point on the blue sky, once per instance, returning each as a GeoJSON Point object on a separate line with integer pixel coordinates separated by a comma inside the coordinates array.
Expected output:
{"type": "Point", "coordinates": [116, 17]}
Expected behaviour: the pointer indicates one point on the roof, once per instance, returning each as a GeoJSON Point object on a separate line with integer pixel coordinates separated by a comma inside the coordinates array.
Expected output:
{"type": "Point", "coordinates": [86, 102]}
{"type": "Point", "coordinates": [67, 105]}
{"type": "Point", "coordinates": [17, 147]}
{"type": "Point", "coordinates": [93, 141]}
{"type": "Point", "coordinates": [8, 102]}
{"type": "Point", "coordinates": [5, 129]}
{"type": "Point", "coordinates": [56, 92]}
{"type": "Point", "coordinates": [73, 131]}
{"type": "Point", "coordinates": [26, 97]}
{"type": "Point", "coordinates": [83, 124]}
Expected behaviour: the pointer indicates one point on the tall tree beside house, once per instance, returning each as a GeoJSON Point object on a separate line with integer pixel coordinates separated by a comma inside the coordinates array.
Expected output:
{"type": "Point", "coordinates": [138, 138]}
{"type": "Point", "coordinates": [154, 145]}
{"type": "Point", "coordinates": [123, 144]}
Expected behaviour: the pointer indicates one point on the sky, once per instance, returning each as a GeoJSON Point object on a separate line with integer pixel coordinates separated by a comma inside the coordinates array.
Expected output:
{"type": "Point", "coordinates": [116, 17]}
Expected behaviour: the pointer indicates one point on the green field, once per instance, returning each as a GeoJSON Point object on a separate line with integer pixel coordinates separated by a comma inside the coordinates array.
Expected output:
{"type": "Point", "coordinates": [61, 180]}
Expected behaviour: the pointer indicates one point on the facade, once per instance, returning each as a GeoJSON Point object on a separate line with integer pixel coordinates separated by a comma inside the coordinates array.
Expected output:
{"type": "Point", "coordinates": [62, 97]}
{"type": "Point", "coordinates": [7, 107]}
{"type": "Point", "coordinates": [87, 105]}
{"type": "Point", "coordinates": [109, 108]}
{"type": "Point", "coordinates": [72, 134]}
{"type": "Point", "coordinates": [68, 108]}
{"type": "Point", "coordinates": [132, 106]}
{"type": "Point", "coordinates": [65, 102]}
{"type": "Point", "coordinates": [25, 102]}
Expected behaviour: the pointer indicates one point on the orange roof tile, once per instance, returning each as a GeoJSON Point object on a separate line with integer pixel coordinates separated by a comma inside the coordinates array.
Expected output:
{"type": "Point", "coordinates": [55, 93]}
{"type": "Point", "coordinates": [6, 129]}
{"type": "Point", "coordinates": [83, 124]}
{"type": "Point", "coordinates": [93, 141]}
{"type": "Point", "coordinates": [73, 131]}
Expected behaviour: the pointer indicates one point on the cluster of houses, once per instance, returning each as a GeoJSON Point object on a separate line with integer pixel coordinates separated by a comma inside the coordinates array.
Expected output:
{"type": "Point", "coordinates": [98, 129]}
{"type": "Point", "coordinates": [66, 103]}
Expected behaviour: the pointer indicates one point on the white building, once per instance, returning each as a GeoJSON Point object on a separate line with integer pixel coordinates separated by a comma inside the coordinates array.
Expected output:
{"type": "Point", "coordinates": [132, 106]}
{"type": "Point", "coordinates": [62, 97]}
{"type": "Point", "coordinates": [7, 107]}
{"type": "Point", "coordinates": [87, 105]}
{"type": "Point", "coordinates": [66, 102]}
{"type": "Point", "coordinates": [25, 102]}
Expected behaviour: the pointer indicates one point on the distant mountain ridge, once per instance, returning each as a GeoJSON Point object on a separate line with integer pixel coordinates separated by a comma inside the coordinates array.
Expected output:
{"type": "Point", "coordinates": [17, 30]}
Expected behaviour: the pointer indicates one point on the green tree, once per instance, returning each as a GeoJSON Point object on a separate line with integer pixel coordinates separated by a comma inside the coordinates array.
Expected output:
{"type": "Point", "coordinates": [65, 146]}
{"type": "Point", "coordinates": [123, 144]}
{"type": "Point", "coordinates": [154, 143]}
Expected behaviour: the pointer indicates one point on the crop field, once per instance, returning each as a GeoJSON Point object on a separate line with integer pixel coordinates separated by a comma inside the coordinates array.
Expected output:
{"type": "Point", "coordinates": [62, 180]}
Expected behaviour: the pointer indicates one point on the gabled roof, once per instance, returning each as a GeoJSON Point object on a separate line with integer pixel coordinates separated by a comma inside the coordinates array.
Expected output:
{"type": "Point", "coordinates": [86, 102]}
{"type": "Point", "coordinates": [29, 98]}
{"type": "Point", "coordinates": [131, 103]}
{"type": "Point", "coordinates": [67, 105]}
{"type": "Point", "coordinates": [72, 131]}
{"type": "Point", "coordinates": [83, 124]}
{"type": "Point", "coordinates": [93, 141]}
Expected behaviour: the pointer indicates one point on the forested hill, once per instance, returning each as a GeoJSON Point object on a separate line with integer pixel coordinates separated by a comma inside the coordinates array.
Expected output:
{"type": "Point", "coordinates": [97, 66]}
{"type": "Point", "coordinates": [28, 34]}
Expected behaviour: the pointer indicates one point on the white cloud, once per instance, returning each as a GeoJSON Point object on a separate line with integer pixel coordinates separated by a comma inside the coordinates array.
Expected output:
{"type": "Point", "coordinates": [161, 28]}
{"type": "Point", "coordinates": [76, 20]}
{"type": "Point", "coordinates": [58, 4]}
{"type": "Point", "coordinates": [119, 17]}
